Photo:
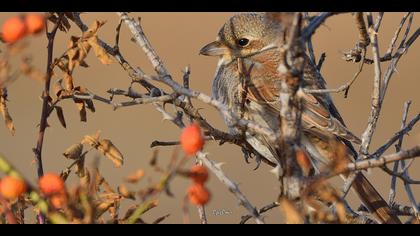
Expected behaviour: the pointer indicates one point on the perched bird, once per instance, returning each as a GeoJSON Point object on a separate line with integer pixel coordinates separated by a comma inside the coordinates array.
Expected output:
{"type": "Point", "coordinates": [254, 38]}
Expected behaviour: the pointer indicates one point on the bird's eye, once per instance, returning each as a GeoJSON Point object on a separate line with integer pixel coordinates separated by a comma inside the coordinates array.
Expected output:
{"type": "Point", "coordinates": [243, 42]}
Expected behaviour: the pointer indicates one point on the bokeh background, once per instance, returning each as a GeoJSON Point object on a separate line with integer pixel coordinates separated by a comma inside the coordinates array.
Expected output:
{"type": "Point", "coordinates": [178, 37]}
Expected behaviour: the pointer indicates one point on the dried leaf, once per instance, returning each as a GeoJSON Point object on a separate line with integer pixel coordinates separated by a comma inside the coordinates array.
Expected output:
{"type": "Point", "coordinates": [77, 52]}
{"type": "Point", "coordinates": [5, 112]}
{"type": "Point", "coordinates": [58, 87]}
{"type": "Point", "coordinates": [84, 64]}
{"type": "Point", "coordinates": [89, 103]}
{"type": "Point", "coordinates": [102, 207]}
{"type": "Point", "coordinates": [90, 140]}
{"type": "Point", "coordinates": [106, 187]}
{"type": "Point", "coordinates": [65, 23]}
{"type": "Point", "coordinates": [292, 214]}
{"type": "Point", "coordinates": [93, 29]}
{"type": "Point", "coordinates": [99, 51]}
{"type": "Point", "coordinates": [154, 159]}
{"type": "Point", "coordinates": [74, 152]}
{"type": "Point", "coordinates": [60, 115]}
{"type": "Point", "coordinates": [68, 82]}
{"type": "Point", "coordinates": [82, 111]}
{"type": "Point", "coordinates": [80, 168]}
{"type": "Point", "coordinates": [107, 148]}
{"type": "Point", "coordinates": [135, 177]}
{"type": "Point", "coordinates": [122, 189]}
{"type": "Point", "coordinates": [69, 15]}
{"type": "Point", "coordinates": [85, 180]}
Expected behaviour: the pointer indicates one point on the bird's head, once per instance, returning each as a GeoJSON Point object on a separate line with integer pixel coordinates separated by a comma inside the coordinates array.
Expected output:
{"type": "Point", "coordinates": [244, 35]}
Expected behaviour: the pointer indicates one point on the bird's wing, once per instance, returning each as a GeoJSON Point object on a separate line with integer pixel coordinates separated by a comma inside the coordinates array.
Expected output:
{"type": "Point", "coordinates": [316, 116]}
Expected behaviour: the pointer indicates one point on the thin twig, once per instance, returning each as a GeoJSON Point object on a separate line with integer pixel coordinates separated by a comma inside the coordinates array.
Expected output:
{"type": "Point", "coordinates": [270, 206]}
{"type": "Point", "coordinates": [398, 146]}
{"type": "Point", "coordinates": [396, 137]}
{"type": "Point", "coordinates": [381, 161]}
{"type": "Point", "coordinates": [377, 85]}
{"type": "Point", "coordinates": [394, 39]}
{"type": "Point", "coordinates": [343, 88]}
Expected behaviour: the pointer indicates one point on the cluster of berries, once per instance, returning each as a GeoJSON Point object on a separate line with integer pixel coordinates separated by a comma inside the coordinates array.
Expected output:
{"type": "Point", "coordinates": [18, 27]}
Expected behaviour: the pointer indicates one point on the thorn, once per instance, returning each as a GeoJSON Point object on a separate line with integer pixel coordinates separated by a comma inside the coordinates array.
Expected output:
{"type": "Point", "coordinates": [219, 165]}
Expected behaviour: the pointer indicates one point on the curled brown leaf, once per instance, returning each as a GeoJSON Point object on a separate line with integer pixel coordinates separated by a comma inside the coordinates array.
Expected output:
{"type": "Point", "coordinates": [108, 149]}
{"type": "Point", "coordinates": [74, 151]}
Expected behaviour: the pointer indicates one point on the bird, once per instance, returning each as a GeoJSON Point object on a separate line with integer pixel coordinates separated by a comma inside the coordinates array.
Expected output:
{"type": "Point", "coordinates": [254, 38]}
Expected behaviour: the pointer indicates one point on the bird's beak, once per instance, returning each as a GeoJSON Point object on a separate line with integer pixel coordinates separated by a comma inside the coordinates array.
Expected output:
{"type": "Point", "coordinates": [215, 48]}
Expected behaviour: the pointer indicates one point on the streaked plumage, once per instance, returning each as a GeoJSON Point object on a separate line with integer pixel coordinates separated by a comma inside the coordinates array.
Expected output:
{"type": "Point", "coordinates": [253, 38]}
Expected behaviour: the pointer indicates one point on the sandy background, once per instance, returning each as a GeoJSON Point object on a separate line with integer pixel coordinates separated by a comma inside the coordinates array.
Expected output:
{"type": "Point", "coordinates": [178, 37]}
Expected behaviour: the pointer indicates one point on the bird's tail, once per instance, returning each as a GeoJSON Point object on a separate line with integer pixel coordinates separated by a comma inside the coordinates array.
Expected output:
{"type": "Point", "coordinates": [373, 201]}
{"type": "Point", "coordinates": [368, 195]}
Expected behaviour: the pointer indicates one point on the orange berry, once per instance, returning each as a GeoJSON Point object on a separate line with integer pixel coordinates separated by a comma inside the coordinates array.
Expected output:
{"type": "Point", "coordinates": [303, 161]}
{"type": "Point", "coordinates": [198, 194]}
{"type": "Point", "coordinates": [192, 139]}
{"type": "Point", "coordinates": [12, 187]}
{"type": "Point", "coordinates": [51, 184]}
{"type": "Point", "coordinates": [35, 23]}
{"type": "Point", "coordinates": [59, 200]}
{"type": "Point", "coordinates": [199, 174]}
{"type": "Point", "coordinates": [13, 29]}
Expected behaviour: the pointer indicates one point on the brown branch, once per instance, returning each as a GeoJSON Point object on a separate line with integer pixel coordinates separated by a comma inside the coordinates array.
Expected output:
{"type": "Point", "coordinates": [45, 100]}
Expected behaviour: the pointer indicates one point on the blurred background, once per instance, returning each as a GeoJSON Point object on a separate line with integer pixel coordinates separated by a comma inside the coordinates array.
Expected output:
{"type": "Point", "coordinates": [178, 37]}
